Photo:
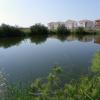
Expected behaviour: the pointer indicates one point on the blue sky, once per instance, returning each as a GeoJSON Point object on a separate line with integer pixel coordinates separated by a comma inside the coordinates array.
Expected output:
{"type": "Point", "coordinates": [29, 12]}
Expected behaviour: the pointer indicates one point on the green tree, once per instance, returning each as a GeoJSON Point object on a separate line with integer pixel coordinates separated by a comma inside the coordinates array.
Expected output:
{"type": "Point", "coordinates": [62, 30]}
{"type": "Point", "coordinates": [10, 31]}
{"type": "Point", "coordinates": [39, 29]}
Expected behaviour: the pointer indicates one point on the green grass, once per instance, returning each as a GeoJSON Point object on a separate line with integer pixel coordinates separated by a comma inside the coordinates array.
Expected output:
{"type": "Point", "coordinates": [25, 30]}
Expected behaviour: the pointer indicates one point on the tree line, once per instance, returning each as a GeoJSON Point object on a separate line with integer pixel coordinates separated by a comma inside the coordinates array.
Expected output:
{"type": "Point", "coordinates": [39, 29]}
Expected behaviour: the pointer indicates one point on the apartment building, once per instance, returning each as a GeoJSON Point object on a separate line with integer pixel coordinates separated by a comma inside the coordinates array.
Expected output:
{"type": "Point", "coordinates": [88, 24]}
{"type": "Point", "coordinates": [54, 25]}
{"type": "Point", "coordinates": [97, 23]}
{"type": "Point", "coordinates": [71, 24]}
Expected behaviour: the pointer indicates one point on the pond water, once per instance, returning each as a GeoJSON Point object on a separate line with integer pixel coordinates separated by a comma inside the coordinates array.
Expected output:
{"type": "Point", "coordinates": [30, 58]}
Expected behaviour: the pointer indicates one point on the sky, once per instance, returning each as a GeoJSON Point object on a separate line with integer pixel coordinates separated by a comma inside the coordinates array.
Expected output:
{"type": "Point", "coordinates": [28, 12]}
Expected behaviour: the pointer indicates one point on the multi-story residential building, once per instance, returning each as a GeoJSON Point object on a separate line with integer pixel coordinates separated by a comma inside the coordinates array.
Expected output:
{"type": "Point", "coordinates": [55, 25]}
{"type": "Point", "coordinates": [88, 24]}
{"type": "Point", "coordinates": [51, 25]}
{"type": "Point", "coordinates": [71, 24]}
{"type": "Point", "coordinates": [97, 23]}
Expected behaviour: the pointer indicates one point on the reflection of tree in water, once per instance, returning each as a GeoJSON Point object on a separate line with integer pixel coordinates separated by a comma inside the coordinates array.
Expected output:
{"type": "Point", "coordinates": [97, 40]}
{"type": "Point", "coordinates": [82, 38]}
{"type": "Point", "coordinates": [8, 42]}
{"type": "Point", "coordinates": [37, 39]}
{"type": "Point", "coordinates": [62, 37]}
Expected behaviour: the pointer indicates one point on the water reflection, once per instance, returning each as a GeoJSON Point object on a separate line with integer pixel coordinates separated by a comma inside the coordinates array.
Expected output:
{"type": "Point", "coordinates": [26, 61]}
{"type": "Point", "coordinates": [8, 42]}
{"type": "Point", "coordinates": [38, 39]}
{"type": "Point", "coordinates": [97, 40]}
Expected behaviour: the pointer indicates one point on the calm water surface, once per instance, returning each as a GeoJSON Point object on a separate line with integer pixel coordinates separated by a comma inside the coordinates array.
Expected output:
{"type": "Point", "coordinates": [30, 58]}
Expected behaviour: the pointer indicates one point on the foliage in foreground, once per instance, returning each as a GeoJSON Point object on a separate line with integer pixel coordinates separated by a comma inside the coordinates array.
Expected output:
{"type": "Point", "coordinates": [96, 63]}
{"type": "Point", "coordinates": [87, 88]}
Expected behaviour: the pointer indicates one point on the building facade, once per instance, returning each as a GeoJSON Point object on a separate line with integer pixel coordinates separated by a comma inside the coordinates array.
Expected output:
{"type": "Point", "coordinates": [97, 23]}
{"type": "Point", "coordinates": [71, 24]}
{"type": "Point", "coordinates": [88, 24]}
{"type": "Point", "coordinates": [54, 25]}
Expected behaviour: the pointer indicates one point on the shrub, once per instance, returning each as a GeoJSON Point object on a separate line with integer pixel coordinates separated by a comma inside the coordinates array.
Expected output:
{"type": "Point", "coordinates": [39, 29]}
{"type": "Point", "coordinates": [80, 30]}
{"type": "Point", "coordinates": [87, 88]}
{"type": "Point", "coordinates": [96, 63]}
{"type": "Point", "coordinates": [62, 30]}
{"type": "Point", "coordinates": [10, 31]}
{"type": "Point", "coordinates": [83, 31]}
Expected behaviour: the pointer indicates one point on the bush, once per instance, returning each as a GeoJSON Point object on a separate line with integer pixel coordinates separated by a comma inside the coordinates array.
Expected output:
{"type": "Point", "coordinates": [87, 88]}
{"type": "Point", "coordinates": [96, 63]}
{"type": "Point", "coordinates": [10, 31]}
{"type": "Point", "coordinates": [62, 30]}
{"type": "Point", "coordinates": [83, 31]}
{"type": "Point", "coordinates": [80, 31]}
{"type": "Point", "coordinates": [39, 29]}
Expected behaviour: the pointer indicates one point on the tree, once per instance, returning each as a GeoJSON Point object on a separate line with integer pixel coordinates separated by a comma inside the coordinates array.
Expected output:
{"type": "Point", "coordinates": [10, 31]}
{"type": "Point", "coordinates": [39, 29]}
{"type": "Point", "coordinates": [62, 30]}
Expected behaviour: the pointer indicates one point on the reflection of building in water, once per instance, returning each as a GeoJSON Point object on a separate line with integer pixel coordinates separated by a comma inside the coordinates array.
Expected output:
{"type": "Point", "coordinates": [86, 38]}
{"type": "Point", "coordinates": [97, 40]}
{"type": "Point", "coordinates": [82, 38]}
{"type": "Point", "coordinates": [71, 38]}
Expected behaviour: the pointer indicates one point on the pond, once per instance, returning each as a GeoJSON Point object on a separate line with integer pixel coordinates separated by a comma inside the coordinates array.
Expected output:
{"type": "Point", "coordinates": [25, 59]}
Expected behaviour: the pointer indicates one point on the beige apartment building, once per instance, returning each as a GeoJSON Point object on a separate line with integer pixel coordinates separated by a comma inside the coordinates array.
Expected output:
{"type": "Point", "coordinates": [72, 24]}
{"type": "Point", "coordinates": [54, 25]}
{"type": "Point", "coordinates": [88, 24]}
{"type": "Point", "coordinates": [97, 23]}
